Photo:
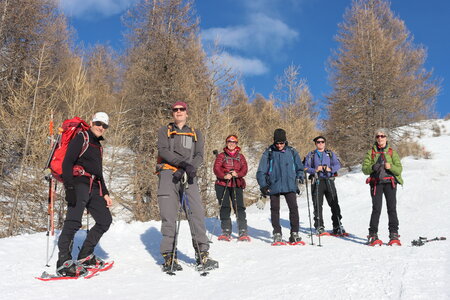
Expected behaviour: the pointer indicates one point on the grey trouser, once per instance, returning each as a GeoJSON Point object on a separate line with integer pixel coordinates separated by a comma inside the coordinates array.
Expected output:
{"type": "Point", "coordinates": [169, 199]}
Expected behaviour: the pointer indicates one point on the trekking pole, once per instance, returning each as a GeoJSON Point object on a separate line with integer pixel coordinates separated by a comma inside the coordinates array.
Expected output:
{"type": "Point", "coordinates": [309, 210]}
{"type": "Point", "coordinates": [317, 205]}
{"type": "Point", "coordinates": [185, 202]}
{"type": "Point", "coordinates": [220, 208]}
{"type": "Point", "coordinates": [177, 231]}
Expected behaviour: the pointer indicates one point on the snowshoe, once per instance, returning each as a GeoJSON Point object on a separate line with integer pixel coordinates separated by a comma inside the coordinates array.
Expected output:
{"type": "Point", "coordinates": [294, 239]}
{"type": "Point", "coordinates": [321, 231]}
{"type": "Point", "coordinates": [92, 262]}
{"type": "Point", "coordinates": [394, 240]}
{"type": "Point", "coordinates": [71, 268]}
{"type": "Point", "coordinates": [339, 231]}
{"type": "Point", "coordinates": [278, 240]}
{"type": "Point", "coordinates": [167, 265]}
{"type": "Point", "coordinates": [372, 240]}
{"type": "Point", "coordinates": [204, 262]}
{"type": "Point", "coordinates": [243, 236]}
{"type": "Point", "coordinates": [225, 236]}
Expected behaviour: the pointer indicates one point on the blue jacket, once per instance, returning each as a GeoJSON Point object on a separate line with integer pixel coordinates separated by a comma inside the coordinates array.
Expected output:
{"type": "Point", "coordinates": [279, 170]}
{"type": "Point", "coordinates": [328, 157]}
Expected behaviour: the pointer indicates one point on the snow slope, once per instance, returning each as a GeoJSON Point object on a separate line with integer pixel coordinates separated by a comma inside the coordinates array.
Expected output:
{"type": "Point", "coordinates": [344, 268]}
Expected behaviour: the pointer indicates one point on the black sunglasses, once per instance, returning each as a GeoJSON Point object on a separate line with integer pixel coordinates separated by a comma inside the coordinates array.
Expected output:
{"type": "Point", "coordinates": [280, 143]}
{"type": "Point", "coordinates": [99, 123]}
{"type": "Point", "coordinates": [178, 109]}
{"type": "Point", "coordinates": [380, 136]}
{"type": "Point", "coordinates": [320, 142]}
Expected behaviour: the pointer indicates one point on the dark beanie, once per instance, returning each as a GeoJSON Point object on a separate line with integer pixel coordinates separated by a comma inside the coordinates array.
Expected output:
{"type": "Point", "coordinates": [279, 135]}
{"type": "Point", "coordinates": [319, 137]}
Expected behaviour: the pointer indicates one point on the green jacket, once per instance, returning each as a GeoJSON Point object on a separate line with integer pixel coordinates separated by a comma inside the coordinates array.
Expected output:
{"type": "Point", "coordinates": [394, 160]}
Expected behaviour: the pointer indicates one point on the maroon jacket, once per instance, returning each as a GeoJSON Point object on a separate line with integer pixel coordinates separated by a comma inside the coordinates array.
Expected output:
{"type": "Point", "coordinates": [225, 162]}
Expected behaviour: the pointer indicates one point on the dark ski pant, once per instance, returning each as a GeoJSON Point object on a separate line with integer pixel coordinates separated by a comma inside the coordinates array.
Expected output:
{"type": "Point", "coordinates": [169, 199]}
{"type": "Point", "coordinates": [377, 203]}
{"type": "Point", "coordinates": [231, 197]}
{"type": "Point", "coordinates": [291, 200]}
{"type": "Point", "coordinates": [321, 187]}
{"type": "Point", "coordinates": [96, 206]}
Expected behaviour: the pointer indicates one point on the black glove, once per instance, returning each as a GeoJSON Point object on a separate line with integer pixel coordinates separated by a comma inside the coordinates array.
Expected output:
{"type": "Point", "coordinates": [71, 196]}
{"type": "Point", "coordinates": [177, 176]}
{"type": "Point", "coordinates": [265, 190]}
{"type": "Point", "coordinates": [190, 171]}
{"type": "Point", "coordinates": [376, 167]}
{"type": "Point", "coordinates": [301, 180]}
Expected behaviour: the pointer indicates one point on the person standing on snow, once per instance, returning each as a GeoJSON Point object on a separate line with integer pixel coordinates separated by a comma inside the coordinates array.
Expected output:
{"type": "Point", "coordinates": [383, 165]}
{"type": "Point", "coordinates": [323, 165]}
{"type": "Point", "coordinates": [230, 167]}
{"type": "Point", "coordinates": [180, 151]}
{"type": "Point", "coordinates": [85, 188]}
{"type": "Point", "coordinates": [279, 172]}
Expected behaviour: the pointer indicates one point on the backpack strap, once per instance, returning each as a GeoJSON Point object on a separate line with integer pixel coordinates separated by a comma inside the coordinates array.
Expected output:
{"type": "Point", "coordinates": [171, 135]}
{"type": "Point", "coordinates": [85, 146]}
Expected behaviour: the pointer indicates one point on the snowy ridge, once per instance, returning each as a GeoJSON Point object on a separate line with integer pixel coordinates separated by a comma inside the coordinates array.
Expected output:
{"type": "Point", "coordinates": [344, 268]}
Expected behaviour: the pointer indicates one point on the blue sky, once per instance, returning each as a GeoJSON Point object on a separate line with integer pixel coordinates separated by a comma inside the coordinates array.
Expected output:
{"type": "Point", "coordinates": [262, 37]}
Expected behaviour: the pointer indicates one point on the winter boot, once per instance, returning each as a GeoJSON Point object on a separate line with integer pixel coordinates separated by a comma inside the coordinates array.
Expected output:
{"type": "Point", "coordinates": [91, 261]}
{"type": "Point", "coordinates": [243, 236]}
{"type": "Point", "coordinates": [278, 239]}
{"type": "Point", "coordinates": [394, 239]}
{"type": "Point", "coordinates": [372, 240]}
{"type": "Point", "coordinates": [167, 265]}
{"type": "Point", "coordinates": [204, 262]}
{"type": "Point", "coordinates": [225, 236]}
{"type": "Point", "coordinates": [294, 239]}
{"type": "Point", "coordinates": [70, 268]}
{"type": "Point", "coordinates": [321, 231]}
{"type": "Point", "coordinates": [339, 230]}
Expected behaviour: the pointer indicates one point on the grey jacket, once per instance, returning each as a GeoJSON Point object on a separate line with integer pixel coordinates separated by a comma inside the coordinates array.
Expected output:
{"type": "Point", "coordinates": [182, 145]}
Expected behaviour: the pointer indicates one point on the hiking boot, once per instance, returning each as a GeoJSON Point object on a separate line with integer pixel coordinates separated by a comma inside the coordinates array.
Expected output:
{"type": "Point", "coordinates": [294, 238]}
{"type": "Point", "coordinates": [225, 236]}
{"type": "Point", "coordinates": [277, 238]}
{"type": "Point", "coordinates": [394, 236]}
{"type": "Point", "coordinates": [372, 238]}
{"type": "Point", "coordinates": [204, 262]}
{"type": "Point", "coordinates": [167, 265]}
{"type": "Point", "coordinates": [243, 235]}
{"type": "Point", "coordinates": [320, 230]}
{"type": "Point", "coordinates": [91, 261]}
{"type": "Point", "coordinates": [70, 268]}
{"type": "Point", "coordinates": [339, 230]}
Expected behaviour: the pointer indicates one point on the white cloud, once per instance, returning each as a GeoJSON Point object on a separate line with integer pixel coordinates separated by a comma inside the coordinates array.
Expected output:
{"type": "Point", "coordinates": [245, 66]}
{"type": "Point", "coordinates": [262, 33]}
{"type": "Point", "coordinates": [90, 8]}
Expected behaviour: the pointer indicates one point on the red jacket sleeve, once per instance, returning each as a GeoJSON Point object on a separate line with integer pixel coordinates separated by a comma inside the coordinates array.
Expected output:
{"type": "Point", "coordinates": [218, 166]}
{"type": "Point", "coordinates": [244, 168]}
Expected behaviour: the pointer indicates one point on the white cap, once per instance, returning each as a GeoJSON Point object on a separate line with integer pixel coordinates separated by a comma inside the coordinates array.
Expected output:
{"type": "Point", "coordinates": [102, 117]}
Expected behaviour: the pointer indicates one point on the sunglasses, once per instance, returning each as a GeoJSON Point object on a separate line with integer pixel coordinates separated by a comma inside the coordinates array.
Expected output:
{"type": "Point", "coordinates": [380, 136]}
{"type": "Point", "coordinates": [99, 123]}
{"type": "Point", "coordinates": [233, 142]}
{"type": "Point", "coordinates": [178, 109]}
{"type": "Point", "coordinates": [320, 142]}
{"type": "Point", "coordinates": [280, 143]}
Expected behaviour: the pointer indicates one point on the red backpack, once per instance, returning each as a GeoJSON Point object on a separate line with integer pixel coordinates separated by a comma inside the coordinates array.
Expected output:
{"type": "Point", "coordinates": [69, 129]}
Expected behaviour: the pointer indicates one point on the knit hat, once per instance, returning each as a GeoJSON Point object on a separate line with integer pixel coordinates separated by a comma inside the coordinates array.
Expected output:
{"type": "Point", "coordinates": [319, 137]}
{"type": "Point", "coordinates": [180, 103]}
{"type": "Point", "coordinates": [102, 117]}
{"type": "Point", "coordinates": [279, 135]}
{"type": "Point", "coordinates": [231, 138]}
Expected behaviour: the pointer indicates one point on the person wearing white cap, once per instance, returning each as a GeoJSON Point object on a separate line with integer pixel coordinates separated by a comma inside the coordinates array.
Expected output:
{"type": "Point", "coordinates": [85, 189]}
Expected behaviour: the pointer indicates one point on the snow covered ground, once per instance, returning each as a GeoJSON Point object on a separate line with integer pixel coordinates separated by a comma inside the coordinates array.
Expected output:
{"type": "Point", "coordinates": [344, 268]}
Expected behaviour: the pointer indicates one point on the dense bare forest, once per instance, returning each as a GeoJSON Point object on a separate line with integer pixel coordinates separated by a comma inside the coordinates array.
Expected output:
{"type": "Point", "coordinates": [377, 78]}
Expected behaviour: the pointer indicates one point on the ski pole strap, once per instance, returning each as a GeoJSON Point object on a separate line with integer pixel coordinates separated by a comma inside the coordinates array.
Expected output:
{"type": "Point", "coordinates": [79, 171]}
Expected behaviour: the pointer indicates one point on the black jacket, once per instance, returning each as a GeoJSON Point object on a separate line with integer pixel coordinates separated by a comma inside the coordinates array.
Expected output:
{"type": "Point", "coordinates": [91, 161]}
